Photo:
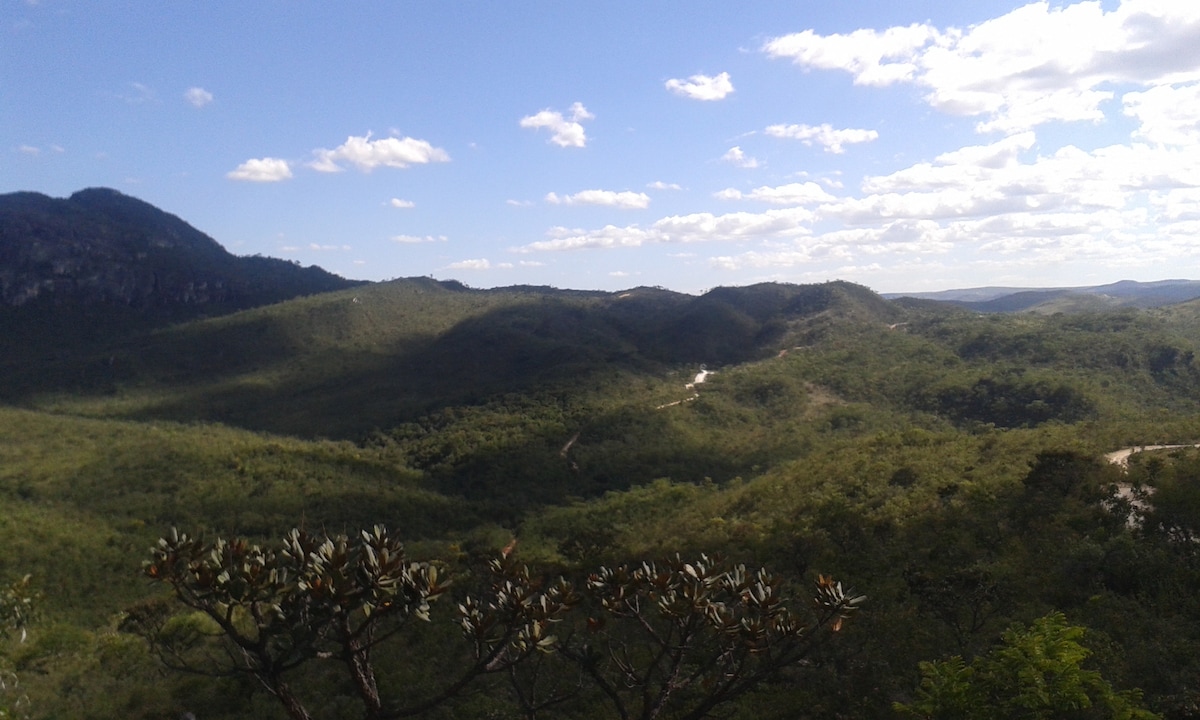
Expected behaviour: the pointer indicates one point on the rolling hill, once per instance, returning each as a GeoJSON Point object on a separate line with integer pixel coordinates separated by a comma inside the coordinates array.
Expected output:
{"type": "Point", "coordinates": [947, 462]}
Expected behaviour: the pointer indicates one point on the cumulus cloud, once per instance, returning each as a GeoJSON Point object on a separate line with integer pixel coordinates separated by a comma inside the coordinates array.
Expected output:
{"type": "Point", "coordinates": [999, 206]}
{"type": "Point", "coordinates": [266, 169]}
{"type": "Point", "coordinates": [735, 156]}
{"type": "Point", "coordinates": [806, 193]}
{"type": "Point", "coordinates": [565, 131]}
{"type": "Point", "coordinates": [401, 204]}
{"type": "Point", "coordinates": [198, 97]}
{"type": "Point", "coordinates": [418, 239]}
{"type": "Point", "coordinates": [873, 57]}
{"type": "Point", "coordinates": [825, 135]}
{"type": "Point", "coordinates": [478, 264]}
{"type": "Point", "coordinates": [367, 154]}
{"type": "Point", "coordinates": [1033, 65]}
{"type": "Point", "coordinates": [1167, 114]}
{"type": "Point", "coordinates": [702, 87]}
{"type": "Point", "coordinates": [626, 200]}
{"type": "Point", "coordinates": [693, 228]}
{"type": "Point", "coordinates": [660, 185]}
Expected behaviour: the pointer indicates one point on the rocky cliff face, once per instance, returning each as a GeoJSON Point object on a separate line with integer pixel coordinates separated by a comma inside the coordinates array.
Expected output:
{"type": "Point", "coordinates": [100, 246]}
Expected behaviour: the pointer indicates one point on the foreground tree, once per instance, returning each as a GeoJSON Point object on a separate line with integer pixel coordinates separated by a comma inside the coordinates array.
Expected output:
{"type": "Point", "coordinates": [1035, 674]}
{"type": "Point", "coordinates": [331, 598]}
{"type": "Point", "coordinates": [679, 639]}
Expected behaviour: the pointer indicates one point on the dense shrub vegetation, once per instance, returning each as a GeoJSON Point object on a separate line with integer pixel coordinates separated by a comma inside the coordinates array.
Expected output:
{"type": "Point", "coordinates": [948, 465]}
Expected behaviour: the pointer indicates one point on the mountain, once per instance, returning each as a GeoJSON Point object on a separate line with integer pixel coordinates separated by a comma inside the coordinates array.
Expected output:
{"type": "Point", "coordinates": [102, 248]}
{"type": "Point", "coordinates": [338, 364]}
{"type": "Point", "coordinates": [1125, 293]}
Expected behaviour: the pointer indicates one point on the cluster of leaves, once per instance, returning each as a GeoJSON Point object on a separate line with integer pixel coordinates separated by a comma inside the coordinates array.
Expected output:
{"type": "Point", "coordinates": [707, 633]}
{"type": "Point", "coordinates": [312, 598]}
{"type": "Point", "coordinates": [680, 637]}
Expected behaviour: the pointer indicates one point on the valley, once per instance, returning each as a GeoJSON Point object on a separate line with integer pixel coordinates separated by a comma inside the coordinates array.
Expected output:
{"type": "Point", "coordinates": [956, 468]}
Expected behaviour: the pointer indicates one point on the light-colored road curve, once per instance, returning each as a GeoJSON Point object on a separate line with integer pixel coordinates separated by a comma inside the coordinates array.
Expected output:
{"type": "Point", "coordinates": [1125, 492]}
{"type": "Point", "coordinates": [1121, 457]}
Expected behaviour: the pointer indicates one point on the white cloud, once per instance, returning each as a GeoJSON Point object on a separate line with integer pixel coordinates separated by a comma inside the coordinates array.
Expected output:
{"type": "Point", "coordinates": [261, 170]}
{"type": "Point", "coordinates": [805, 193]}
{"type": "Point", "coordinates": [735, 156]}
{"type": "Point", "coordinates": [626, 200]}
{"type": "Point", "coordinates": [874, 58]}
{"type": "Point", "coordinates": [474, 264]}
{"type": "Point", "coordinates": [519, 203]}
{"type": "Point", "coordinates": [702, 87]}
{"type": "Point", "coordinates": [660, 185]}
{"type": "Point", "coordinates": [29, 150]}
{"type": "Point", "coordinates": [401, 204]}
{"type": "Point", "coordinates": [367, 154]}
{"type": "Point", "coordinates": [1033, 65]}
{"type": "Point", "coordinates": [825, 135]}
{"type": "Point", "coordinates": [693, 228]}
{"type": "Point", "coordinates": [959, 168]}
{"type": "Point", "coordinates": [198, 97]}
{"type": "Point", "coordinates": [998, 208]}
{"type": "Point", "coordinates": [1168, 114]}
{"type": "Point", "coordinates": [418, 239]}
{"type": "Point", "coordinates": [990, 180]}
{"type": "Point", "coordinates": [564, 132]}
{"type": "Point", "coordinates": [140, 95]}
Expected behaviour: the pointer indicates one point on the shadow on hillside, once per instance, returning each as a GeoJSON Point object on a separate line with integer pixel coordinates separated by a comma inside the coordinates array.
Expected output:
{"type": "Point", "coordinates": [263, 373]}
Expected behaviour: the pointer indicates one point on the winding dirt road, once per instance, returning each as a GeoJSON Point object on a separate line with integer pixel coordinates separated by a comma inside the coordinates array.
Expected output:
{"type": "Point", "coordinates": [1121, 457]}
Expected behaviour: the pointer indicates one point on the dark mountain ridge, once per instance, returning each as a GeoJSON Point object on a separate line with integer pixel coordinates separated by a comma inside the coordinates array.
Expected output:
{"type": "Point", "coordinates": [101, 247]}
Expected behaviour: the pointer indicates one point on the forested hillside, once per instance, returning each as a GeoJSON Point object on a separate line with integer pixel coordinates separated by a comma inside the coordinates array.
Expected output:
{"type": "Point", "coordinates": [82, 269]}
{"type": "Point", "coordinates": [949, 466]}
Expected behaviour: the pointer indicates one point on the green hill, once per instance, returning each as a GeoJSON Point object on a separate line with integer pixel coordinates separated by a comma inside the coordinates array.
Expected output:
{"type": "Point", "coordinates": [946, 463]}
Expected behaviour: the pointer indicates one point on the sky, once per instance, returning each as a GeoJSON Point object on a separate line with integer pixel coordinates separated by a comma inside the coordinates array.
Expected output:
{"type": "Point", "coordinates": [913, 146]}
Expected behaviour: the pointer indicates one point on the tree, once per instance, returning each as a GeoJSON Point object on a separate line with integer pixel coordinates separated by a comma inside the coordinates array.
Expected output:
{"type": "Point", "coordinates": [1035, 673]}
{"type": "Point", "coordinates": [676, 639]}
{"type": "Point", "coordinates": [273, 610]}
{"type": "Point", "coordinates": [681, 639]}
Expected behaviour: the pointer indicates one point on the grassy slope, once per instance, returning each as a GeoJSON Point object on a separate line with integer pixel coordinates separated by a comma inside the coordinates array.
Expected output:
{"type": "Point", "coordinates": [486, 389]}
{"type": "Point", "coordinates": [84, 499]}
{"type": "Point", "coordinates": [827, 422]}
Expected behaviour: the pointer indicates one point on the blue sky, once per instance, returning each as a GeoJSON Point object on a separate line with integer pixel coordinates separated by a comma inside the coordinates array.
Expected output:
{"type": "Point", "coordinates": [905, 146]}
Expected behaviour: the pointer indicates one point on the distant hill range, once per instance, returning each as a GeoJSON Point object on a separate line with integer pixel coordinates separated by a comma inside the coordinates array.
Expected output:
{"type": "Point", "coordinates": [103, 258]}
{"type": "Point", "coordinates": [1126, 293]}
{"type": "Point", "coordinates": [102, 249]}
